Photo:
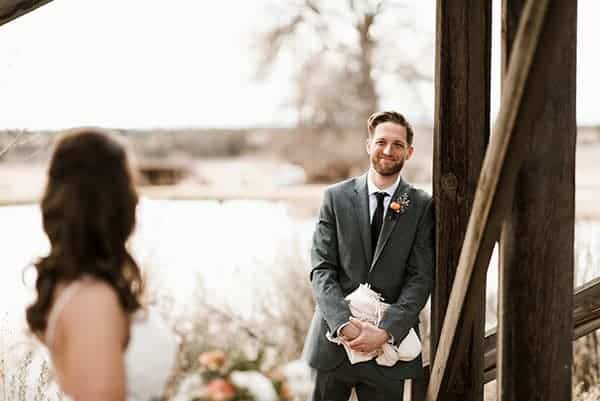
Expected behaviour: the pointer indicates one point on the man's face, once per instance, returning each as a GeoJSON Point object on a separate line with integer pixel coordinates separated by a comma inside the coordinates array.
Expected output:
{"type": "Point", "coordinates": [388, 148]}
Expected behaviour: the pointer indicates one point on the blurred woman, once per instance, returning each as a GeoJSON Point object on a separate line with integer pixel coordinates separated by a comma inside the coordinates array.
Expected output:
{"type": "Point", "coordinates": [103, 344]}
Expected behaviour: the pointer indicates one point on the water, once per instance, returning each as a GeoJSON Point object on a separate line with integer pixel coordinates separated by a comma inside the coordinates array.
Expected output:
{"type": "Point", "coordinates": [229, 246]}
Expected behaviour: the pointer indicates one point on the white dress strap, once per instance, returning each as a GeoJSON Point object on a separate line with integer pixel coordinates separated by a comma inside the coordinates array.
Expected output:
{"type": "Point", "coordinates": [59, 304]}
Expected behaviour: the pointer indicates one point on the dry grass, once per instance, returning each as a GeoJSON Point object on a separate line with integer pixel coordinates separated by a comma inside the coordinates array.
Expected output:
{"type": "Point", "coordinates": [277, 326]}
{"type": "Point", "coordinates": [586, 362]}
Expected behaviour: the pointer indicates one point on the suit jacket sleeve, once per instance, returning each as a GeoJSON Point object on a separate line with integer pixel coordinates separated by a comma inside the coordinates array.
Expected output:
{"type": "Point", "coordinates": [325, 268]}
{"type": "Point", "coordinates": [402, 315]}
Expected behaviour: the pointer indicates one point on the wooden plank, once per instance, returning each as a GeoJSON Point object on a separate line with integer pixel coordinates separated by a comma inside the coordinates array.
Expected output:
{"type": "Point", "coordinates": [12, 9]}
{"type": "Point", "coordinates": [586, 319]}
{"type": "Point", "coordinates": [502, 160]}
{"type": "Point", "coordinates": [536, 252]}
{"type": "Point", "coordinates": [586, 312]}
{"type": "Point", "coordinates": [461, 134]}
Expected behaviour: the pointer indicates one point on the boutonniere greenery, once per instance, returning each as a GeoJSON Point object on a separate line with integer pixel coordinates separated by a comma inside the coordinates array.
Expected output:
{"type": "Point", "coordinates": [398, 205]}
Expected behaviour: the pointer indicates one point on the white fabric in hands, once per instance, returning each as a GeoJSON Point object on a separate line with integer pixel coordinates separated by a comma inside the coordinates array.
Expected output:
{"type": "Point", "coordinates": [367, 305]}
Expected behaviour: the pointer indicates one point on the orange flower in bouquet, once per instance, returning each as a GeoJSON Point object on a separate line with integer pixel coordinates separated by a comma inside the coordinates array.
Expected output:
{"type": "Point", "coordinates": [285, 391]}
{"type": "Point", "coordinates": [220, 390]}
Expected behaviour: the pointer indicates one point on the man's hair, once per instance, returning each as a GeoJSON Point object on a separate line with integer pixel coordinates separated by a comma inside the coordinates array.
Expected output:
{"type": "Point", "coordinates": [384, 116]}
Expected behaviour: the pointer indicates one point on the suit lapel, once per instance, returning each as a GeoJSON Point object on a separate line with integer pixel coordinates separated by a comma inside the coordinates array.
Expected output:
{"type": "Point", "coordinates": [360, 199]}
{"type": "Point", "coordinates": [389, 223]}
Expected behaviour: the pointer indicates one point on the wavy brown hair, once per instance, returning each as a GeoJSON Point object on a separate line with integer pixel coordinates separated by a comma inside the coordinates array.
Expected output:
{"type": "Point", "coordinates": [88, 213]}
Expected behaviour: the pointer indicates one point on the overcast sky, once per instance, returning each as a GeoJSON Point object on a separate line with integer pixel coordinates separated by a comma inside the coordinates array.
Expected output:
{"type": "Point", "coordinates": [181, 63]}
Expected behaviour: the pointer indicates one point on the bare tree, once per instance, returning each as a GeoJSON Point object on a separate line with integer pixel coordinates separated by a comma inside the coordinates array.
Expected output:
{"type": "Point", "coordinates": [13, 142]}
{"type": "Point", "coordinates": [342, 50]}
{"type": "Point", "coordinates": [17, 144]}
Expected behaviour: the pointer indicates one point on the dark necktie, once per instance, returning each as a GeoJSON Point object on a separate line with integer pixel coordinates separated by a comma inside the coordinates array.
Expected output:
{"type": "Point", "coordinates": [377, 219]}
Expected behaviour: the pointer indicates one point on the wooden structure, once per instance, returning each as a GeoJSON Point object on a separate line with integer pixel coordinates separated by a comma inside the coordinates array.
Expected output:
{"type": "Point", "coordinates": [462, 108]}
{"type": "Point", "coordinates": [515, 187]}
{"type": "Point", "coordinates": [11, 9]}
{"type": "Point", "coordinates": [524, 198]}
{"type": "Point", "coordinates": [536, 248]}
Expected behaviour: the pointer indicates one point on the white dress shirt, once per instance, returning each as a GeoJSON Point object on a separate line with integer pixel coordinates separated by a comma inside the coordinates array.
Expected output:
{"type": "Point", "coordinates": [372, 189]}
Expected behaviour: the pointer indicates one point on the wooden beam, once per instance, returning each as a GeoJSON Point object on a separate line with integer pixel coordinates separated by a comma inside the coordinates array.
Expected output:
{"type": "Point", "coordinates": [586, 312]}
{"type": "Point", "coordinates": [502, 160]}
{"type": "Point", "coordinates": [12, 9]}
{"type": "Point", "coordinates": [586, 319]}
{"type": "Point", "coordinates": [537, 243]}
{"type": "Point", "coordinates": [461, 135]}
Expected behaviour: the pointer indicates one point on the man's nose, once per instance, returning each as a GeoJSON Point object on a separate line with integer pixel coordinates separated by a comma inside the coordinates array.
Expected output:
{"type": "Point", "coordinates": [387, 149]}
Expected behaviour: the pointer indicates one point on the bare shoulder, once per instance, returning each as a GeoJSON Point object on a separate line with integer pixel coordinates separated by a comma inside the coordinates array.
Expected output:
{"type": "Point", "coordinates": [95, 306]}
{"type": "Point", "coordinates": [89, 348]}
{"type": "Point", "coordinates": [94, 295]}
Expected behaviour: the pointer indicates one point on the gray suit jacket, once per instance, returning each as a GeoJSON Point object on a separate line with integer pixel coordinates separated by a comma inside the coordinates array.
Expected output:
{"type": "Point", "coordinates": [401, 268]}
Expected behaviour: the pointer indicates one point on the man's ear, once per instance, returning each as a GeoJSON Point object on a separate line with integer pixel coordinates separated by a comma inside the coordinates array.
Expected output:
{"type": "Point", "coordinates": [368, 145]}
{"type": "Point", "coordinates": [409, 152]}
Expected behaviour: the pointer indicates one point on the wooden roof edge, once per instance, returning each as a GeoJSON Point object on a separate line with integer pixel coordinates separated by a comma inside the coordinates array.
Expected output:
{"type": "Point", "coordinates": [13, 9]}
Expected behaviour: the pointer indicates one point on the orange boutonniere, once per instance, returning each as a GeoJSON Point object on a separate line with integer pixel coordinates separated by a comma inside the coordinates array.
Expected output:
{"type": "Point", "coordinates": [395, 206]}
{"type": "Point", "coordinates": [399, 205]}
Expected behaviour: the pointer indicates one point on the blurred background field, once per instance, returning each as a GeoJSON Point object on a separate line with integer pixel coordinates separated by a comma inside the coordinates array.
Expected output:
{"type": "Point", "coordinates": [269, 163]}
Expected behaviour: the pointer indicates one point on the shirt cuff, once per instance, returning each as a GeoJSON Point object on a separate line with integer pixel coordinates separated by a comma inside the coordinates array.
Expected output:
{"type": "Point", "coordinates": [338, 333]}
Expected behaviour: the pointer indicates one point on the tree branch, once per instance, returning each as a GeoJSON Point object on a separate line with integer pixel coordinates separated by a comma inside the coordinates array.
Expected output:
{"type": "Point", "coordinates": [11, 144]}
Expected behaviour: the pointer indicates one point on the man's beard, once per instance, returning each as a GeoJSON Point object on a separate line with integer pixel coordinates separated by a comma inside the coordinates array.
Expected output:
{"type": "Point", "coordinates": [392, 169]}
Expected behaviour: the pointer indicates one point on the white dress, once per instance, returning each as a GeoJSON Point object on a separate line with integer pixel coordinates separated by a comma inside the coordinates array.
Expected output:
{"type": "Point", "coordinates": [151, 351]}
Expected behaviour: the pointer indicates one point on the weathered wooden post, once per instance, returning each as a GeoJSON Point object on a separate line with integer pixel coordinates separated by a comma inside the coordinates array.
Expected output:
{"type": "Point", "coordinates": [536, 279]}
{"type": "Point", "coordinates": [462, 126]}
{"type": "Point", "coordinates": [495, 188]}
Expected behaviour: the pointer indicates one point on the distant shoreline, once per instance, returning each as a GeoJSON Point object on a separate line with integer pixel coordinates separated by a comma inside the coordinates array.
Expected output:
{"type": "Point", "coordinates": [304, 198]}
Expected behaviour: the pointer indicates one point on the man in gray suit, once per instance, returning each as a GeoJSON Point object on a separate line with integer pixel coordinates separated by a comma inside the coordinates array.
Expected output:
{"type": "Point", "coordinates": [375, 229]}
